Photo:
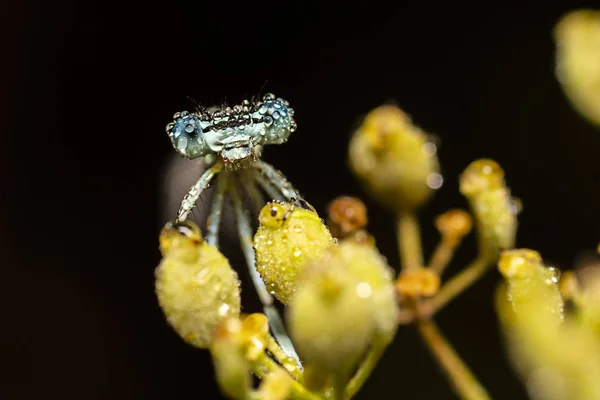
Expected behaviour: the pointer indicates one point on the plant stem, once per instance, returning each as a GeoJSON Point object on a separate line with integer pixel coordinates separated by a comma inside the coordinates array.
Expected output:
{"type": "Point", "coordinates": [364, 370]}
{"type": "Point", "coordinates": [458, 284]}
{"type": "Point", "coordinates": [463, 381]}
{"type": "Point", "coordinates": [441, 257]}
{"type": "Point", "coordinates": [409, 241]}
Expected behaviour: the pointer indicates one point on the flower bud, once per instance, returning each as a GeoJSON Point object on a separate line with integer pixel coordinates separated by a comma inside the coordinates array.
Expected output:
{"type": "Point", "coordinates": [195, 285]}
{"type": "Point", "coordinates": [375, 280]}
{"type": "Point", "coordinates": [394, 159]}
{"type": "Point", "coordinates": [531, 285]}
{"type": "Point", "coordinates": [345, 301]}
{"type": "Point", "coordinates": [482, 183]}
{"type": "Point", "coordinates": [276, 385]}
{"type": "Point", "coordinates": [577, 37]}
{"type": "Point", "coordinates": [454, 225]}
{"type": "Point", "coordinates": [286, 239]}
{"type": "Point", "coordinates": [420, 282]}
{"type": "Point", "coordinates": [228, 351]}
{"type": "Point", "coordinates": [346, 215]}
{"type": "Point", "coordinates": [330, 321]}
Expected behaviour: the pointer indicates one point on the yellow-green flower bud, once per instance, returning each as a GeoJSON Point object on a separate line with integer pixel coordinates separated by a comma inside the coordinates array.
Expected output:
{"type": "Point", "coordinates": [394, 159]}
{"type": "Point", "coordinates": [553, 353]}
{"type": "Point", "coordinates": [530, 282]}
{"type": "Point", "coordinates": [286, 239]}
{"type": "Point", "coordinates": [232, 368]}
{"type": "Point", "coordinates": [195, 285]}
{"type": "Point", "coordinates": [345, 301]}
{"type": "Point", "coordinates": [482, 183]}
{"type": "Point", "coordinates": [375, 280]}
{"type": "Point", "coordinates": [276, 385]}
{"type": "Point", "coordinates": [577, 37]}
{"type": "Point", "coordinates": [331, 321]}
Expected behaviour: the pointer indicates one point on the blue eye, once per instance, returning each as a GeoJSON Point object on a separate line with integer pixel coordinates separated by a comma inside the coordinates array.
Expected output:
{"type": "Point", "coordinates": [278, 119]}
{"type": "Point", "coordinates": [187, 136]}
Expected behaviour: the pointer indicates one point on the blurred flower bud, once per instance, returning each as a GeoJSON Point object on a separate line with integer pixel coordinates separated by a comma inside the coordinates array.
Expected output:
{"type": "Point", "coordinates": [276, 385]}
{"type": "Point", "coordinates": [346, 215]}
{"type": "Point", "coordinates": [232, 368]}
{"type": "Point", "coordinates": [482, 183]}
{"type": "Point", "coordinates": [577, 37]}
{"type": "Point", "coordinates": [331, 322]}
{"type": "Point", "coordinates": [554, 354]}
{"type": "Point", "coordinates": [530, 281]}
{"type": "Point", "coordinates": [255, 330]}
{"type": "Point", "coordinates": [416, 283]}
{"type": "Point", "coordinates": [588, 282]}
{"type": "Point", "coordinates": [344, 302]}
{"type": "Point", "coordinates": [286, 239]}
{"type": "Point", "coordinates": [394, 159]}
{"type": "Point", "coordinates": [195, 285]}
{"type": "Point", "coordinates": [453, 225]}
{"type": "Point", "coordinates": [375, 280]}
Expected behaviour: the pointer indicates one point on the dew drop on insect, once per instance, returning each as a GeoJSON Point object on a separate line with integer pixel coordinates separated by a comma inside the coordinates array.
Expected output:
{"type": "Point", "coordinates": [297, 253]}
{"type": "Point", "coordinates": [297, 229]}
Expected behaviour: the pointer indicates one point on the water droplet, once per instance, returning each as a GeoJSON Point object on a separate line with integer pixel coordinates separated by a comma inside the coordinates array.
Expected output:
{"type": "Point", "coordinates": [223, 309]}
{"type": "Point", "coordinates": [297, 253]}
{"type": "Point", "coordinates": [429, 149]}
{"type": "Point", "coordinates": [202, 277]}
{"type": "Point", "coordinates": [297, 229]}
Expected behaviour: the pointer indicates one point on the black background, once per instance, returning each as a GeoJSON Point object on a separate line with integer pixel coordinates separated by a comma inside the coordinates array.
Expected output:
{"type": "Point", "coordinates": [91, 86]}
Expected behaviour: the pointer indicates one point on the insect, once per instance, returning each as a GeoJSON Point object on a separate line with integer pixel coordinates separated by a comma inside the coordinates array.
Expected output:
{"type": "Point", "coordinates": [230, 139]}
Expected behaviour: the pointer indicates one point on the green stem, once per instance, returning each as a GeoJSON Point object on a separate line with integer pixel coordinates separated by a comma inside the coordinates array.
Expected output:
{"type": "Point", "coordinates": [442, 255]}
{"type": "Point", "coordinates": [458, 284]}
{"type": "Point", "coordinates": [409, 241]}
{"type": "Point", "coordinates": [365, 369]}
{"type": "Point", "coordinates": [463, 381]}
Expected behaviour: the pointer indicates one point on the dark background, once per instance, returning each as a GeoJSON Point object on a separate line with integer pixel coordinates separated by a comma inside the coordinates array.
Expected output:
{"type": "Point", "coordinates": [91, 86]}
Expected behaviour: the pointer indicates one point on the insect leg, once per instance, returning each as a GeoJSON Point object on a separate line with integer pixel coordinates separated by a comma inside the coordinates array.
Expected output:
{"type": "Point", "coordinates": [275, 320]}
{"type": "Point", "coordinates": [214, 218]}
{"type": "Point", "coordinates": [189, 201]}
{"type": "Point", "coordinates": [273, 181]}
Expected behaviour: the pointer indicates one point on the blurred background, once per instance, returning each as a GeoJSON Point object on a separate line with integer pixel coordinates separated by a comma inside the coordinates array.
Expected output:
{"type": "Point", "coordinates": [91, 86]}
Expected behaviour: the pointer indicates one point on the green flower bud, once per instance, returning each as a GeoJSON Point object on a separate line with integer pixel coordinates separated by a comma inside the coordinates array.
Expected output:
{"type": "Point", "coordinates": [286, 239]}
{"type": "Point", "coordinates": [554, 354]}
{"type": "Point", "coordinates": [375, 280]}
{"type": "Point", "coordinates": [577, 37]}
{"type": "Point", "coordinates": [195, 285]}
{"type": "Point", "coordinates": [394, 159]}
{"type": "Point", "coordinates": [232, 367]}
{"type": "Point", "coordinates": [331, 322]}
{"type": "Point", "coordinates": [345, 301]}
{"type": "Point", "coordinates": [482, 183]}
{"type": "Point", "coordinates": [531, 284]}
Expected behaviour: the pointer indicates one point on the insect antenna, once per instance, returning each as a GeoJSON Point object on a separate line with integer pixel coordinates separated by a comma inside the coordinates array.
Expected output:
{"type": "Point", "coordinates": [199, 107]}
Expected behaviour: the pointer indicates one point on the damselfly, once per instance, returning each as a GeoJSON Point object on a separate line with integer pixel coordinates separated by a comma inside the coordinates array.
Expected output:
{"type": "Point", "coordinates": [230, 139]}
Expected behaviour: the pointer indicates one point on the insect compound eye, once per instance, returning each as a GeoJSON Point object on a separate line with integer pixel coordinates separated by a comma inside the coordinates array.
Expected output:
{"type": "Point", "coordinates": [186, 135]}
{"type": "Point", "coordinates": [278, 119]}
